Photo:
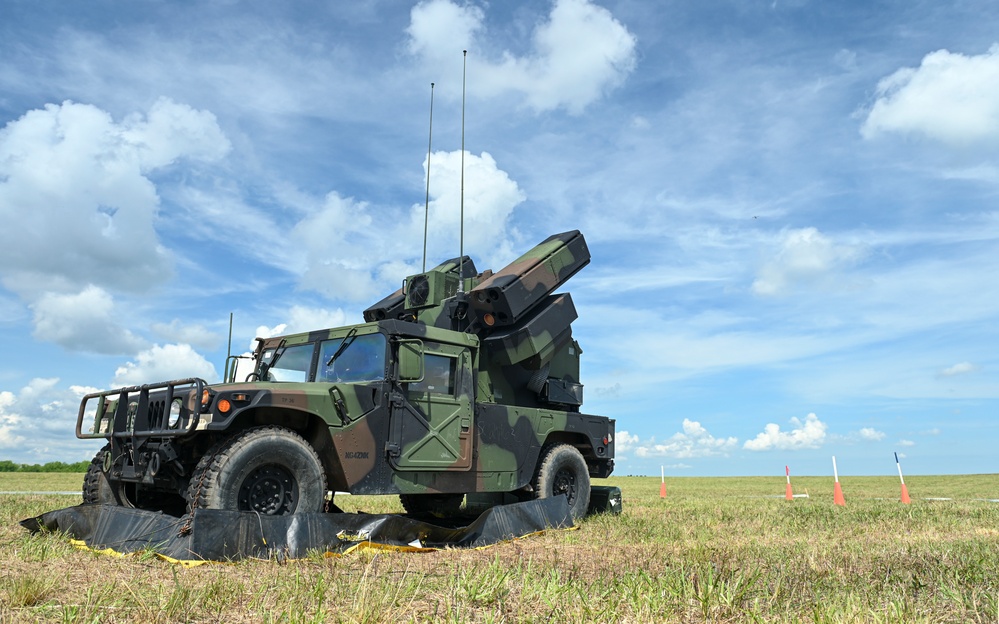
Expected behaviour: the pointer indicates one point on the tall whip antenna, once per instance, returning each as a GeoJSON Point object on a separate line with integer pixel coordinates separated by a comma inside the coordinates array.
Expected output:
{"type": "Point", "coordinates": [426, 215]}
{"type": "Point", "coordinates": [461, 239]}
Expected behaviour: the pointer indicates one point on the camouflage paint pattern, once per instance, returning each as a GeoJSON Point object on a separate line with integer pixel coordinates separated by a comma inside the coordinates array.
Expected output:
{"type": "Point", "coordinates": [500, 382]}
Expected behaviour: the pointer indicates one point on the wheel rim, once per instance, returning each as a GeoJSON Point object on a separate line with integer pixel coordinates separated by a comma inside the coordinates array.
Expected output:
{"type": "Point", "coordinates": [565, 483]}
{"type": "Point", "coordinates": [270, 490]}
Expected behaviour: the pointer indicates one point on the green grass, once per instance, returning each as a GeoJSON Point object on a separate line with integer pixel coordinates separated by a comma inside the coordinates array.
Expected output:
{"type": "Point", "coordinates": [715, 550]}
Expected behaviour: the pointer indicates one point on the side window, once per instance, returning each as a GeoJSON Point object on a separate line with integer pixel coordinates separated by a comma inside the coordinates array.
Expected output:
{"type": "Point", "coordinates": [362, 360]}
{"type": "Point", "coordinates": [291, 364]}
{"type": "Point", "coordinates": [438, 375]}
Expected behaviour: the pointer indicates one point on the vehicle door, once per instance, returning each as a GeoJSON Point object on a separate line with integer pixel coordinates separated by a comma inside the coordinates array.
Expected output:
{"type": "Point", "coordinates": [432, 417]}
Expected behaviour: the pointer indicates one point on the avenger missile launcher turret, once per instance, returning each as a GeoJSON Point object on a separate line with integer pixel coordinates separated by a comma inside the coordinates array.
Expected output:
{"type": "Point", "coordinates": [460, 383]}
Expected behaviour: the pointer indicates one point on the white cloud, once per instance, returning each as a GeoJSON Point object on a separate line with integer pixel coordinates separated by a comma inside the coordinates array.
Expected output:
{"type": "Point", "coordinates": [346, 257]}
{"type": "Point", "coordinates": [266, 332]}
{"type": "Point", "coordinates": [868, 433]}
{"type": "Point", "coordinates": [906, 443]}
{"type": "Point", "coordinates": [490, 199]}
{"type": "Point", "coordinates": [37, 423]}
{"type": "Point", "coordinates": [624, 442]}
{"type": "Point", "coordinates": [170, 131]}
{"type": "Point", "coordinates": [304, 318]}
{"type": "Point", "coordinates": [438, 28]}
{"type": "Point", "coordinates": [341, 249]}
{"type": "Point", "coordinates": [9, 422]}
{"type": "Point", "coordinates": [805, 255]}
{"type": "Point", "coordinates": [172, 361]}
{"type": "Point", "coordinates": [962, 368]}
{"type": "Point", "coordinates": [693, 441]}
{"type": "Point", "coordinates": [178, 331]}
{"type": "Point", "coordinates": [85, 321]}
{"type": "Point", "coordinates": [952, 98]}
{"type": "Point", "coordinates": [808, 434]}
{"type": "Point", "coordinates": [74, 166]}
{"type": "Point", "coordinates": [578, 54]}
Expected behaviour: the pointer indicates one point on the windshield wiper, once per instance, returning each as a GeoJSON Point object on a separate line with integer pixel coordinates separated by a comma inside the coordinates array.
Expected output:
{"type": "Point", "coordinates": [346, 342]}
{"type": "Point", "coordinates": [266, 366]}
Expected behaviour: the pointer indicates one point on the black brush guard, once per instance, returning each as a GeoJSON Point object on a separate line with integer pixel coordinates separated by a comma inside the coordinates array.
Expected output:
{"type": "Point", "coordinates": [129, 418]}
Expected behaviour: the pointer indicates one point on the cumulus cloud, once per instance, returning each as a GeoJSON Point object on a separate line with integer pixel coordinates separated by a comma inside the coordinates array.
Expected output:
{"type": "Point", "coordinates": [804, 255]}
{"type": "Point", "coordinates": [347, 258]}
{"type": "Point", "coordinates": [37, 423]}
{"type": "Point", "coordinates": [868, 433]}
{"type": "Point", "coordinates": [178, 331]}
{"type": "Point", "coordinates": [73, 165]}
{"type": "Point", "coordinates": [490, 198]}
{"type": "Point", "coordinates": [693, 441]}
{"type": "Point", "coordinates": [805, 435]}
{"type": "Point", "coordinates": [265, 332]}
{"type": "Point", "coordinates": [341, 249]}
{"type": "Point", "coordinates": [625, 442]}
{"type": "Point", "coordinates": [438, 22]}
{"type": "Point", "coordinates": [162, 363]}
{"type": "Point", "coordinates": [9, 422]}
{"type": "Point", "coordinates": [304, 318]}
{"type": "Point", "coordinates": [962, 368]}
{"type": "Point", "coordinates": [577, 54]}
{"type": "Point", "coordinates": [85, 321]}
{"type": "Point", "coordinates": [906, 443]}
{"type": "Point", "coordinates": [951, 98]}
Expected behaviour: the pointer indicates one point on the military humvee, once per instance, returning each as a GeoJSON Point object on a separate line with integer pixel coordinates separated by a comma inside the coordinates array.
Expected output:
{"type": "Point", "coordinates": [459, 383]}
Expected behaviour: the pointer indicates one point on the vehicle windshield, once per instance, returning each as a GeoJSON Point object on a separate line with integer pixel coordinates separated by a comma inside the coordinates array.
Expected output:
{"type": "Point", "coordinates": [362, 359]}
{"type": "Point", "coordinates": [288, 364]}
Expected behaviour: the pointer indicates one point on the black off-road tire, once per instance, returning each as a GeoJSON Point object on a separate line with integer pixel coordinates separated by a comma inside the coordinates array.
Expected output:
{"type": "Point", "coordinates": [438, 505]}
{"type": "Point", "coordinates": [270, 470]}
{"type": "Point", "coordinates": [562, 471]}
{"type": "Point", "coordinates": [96, 489]}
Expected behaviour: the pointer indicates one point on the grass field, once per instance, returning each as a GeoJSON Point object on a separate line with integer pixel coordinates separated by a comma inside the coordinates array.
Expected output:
{"type": "Point", "coordinates": [715, 550]}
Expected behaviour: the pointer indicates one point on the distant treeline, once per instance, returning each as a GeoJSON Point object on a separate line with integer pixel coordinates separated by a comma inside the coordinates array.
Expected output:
{"type": "Point", "coordinates": [9, 466]}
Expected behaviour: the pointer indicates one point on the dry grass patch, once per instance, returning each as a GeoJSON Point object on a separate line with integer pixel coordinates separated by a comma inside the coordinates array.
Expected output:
{"type": "Point", "coordinates": [716, 550]}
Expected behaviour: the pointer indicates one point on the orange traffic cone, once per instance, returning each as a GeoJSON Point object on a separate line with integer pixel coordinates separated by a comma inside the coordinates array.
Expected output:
{"type": "Point", "coordinates": [905, 490]}
{"type": "Point", "coordinates": [838, 495]}
{"type": "Point", "coordinates": [837, 489]}
{"type": "Point", "coordinates": [788, 494]}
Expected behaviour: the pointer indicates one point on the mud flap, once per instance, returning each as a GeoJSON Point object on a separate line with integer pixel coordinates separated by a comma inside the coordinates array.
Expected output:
{"type": "Point", "coordinates": [216, 535]}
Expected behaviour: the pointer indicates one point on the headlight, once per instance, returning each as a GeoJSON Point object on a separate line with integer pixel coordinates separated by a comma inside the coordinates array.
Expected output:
{"type": "Point", "coordinates": [174, 416]}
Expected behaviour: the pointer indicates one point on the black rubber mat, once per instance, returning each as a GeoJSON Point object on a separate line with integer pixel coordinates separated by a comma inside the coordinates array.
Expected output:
{"type": "Point", "coordinates": [216, 535]}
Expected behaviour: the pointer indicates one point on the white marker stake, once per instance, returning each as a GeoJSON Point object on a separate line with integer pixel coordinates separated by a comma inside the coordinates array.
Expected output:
{"type": "Point", "coordinates": [905, 490]}
{"type": "Point", "coordinates": [788, 494]}
{"type": "Point", "coordinates": [662, 486]}
{"type": "Point", "coordinates": [837, 489]}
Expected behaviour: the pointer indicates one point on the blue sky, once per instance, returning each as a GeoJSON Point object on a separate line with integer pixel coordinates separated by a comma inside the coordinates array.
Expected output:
{"type": "Point", "coordinates": [791, 206]}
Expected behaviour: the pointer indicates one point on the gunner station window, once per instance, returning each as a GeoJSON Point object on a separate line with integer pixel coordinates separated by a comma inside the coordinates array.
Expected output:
{"type": "Point", "coordinates": [438, 376]}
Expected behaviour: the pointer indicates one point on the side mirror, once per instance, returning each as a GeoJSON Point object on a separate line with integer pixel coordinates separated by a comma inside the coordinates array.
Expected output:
{"type": "Point", "coordinates": [410, 361]}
